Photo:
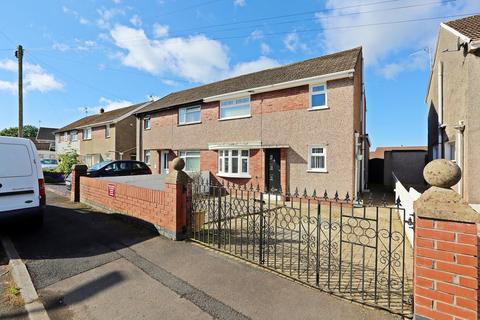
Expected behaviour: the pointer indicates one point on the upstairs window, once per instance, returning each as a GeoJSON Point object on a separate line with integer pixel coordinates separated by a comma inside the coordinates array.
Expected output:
{"type": "Point", "coordinates": [74, 135]}
{"type": "Point", "coordinates": [189, 115]}
{"type": "Point", "coordinates": [233, 163]}
{"type": "Point", "coordinates": [146, 123]}
{"type": "Point", "coordinates": [236, 108]}
{"type": "Point", "coordinates": [317, 159]}
{"type": "Point", "coordinates": [107, 131]}
{"type": "Point", "coordinates": [192, 160]}
{"type": "Point", "coordinates": [318, 96]}
{"type": "Point", "coordinates": [87, 133]}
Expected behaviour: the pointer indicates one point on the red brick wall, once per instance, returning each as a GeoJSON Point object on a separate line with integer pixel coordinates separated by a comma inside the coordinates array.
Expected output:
{"type": "Point", "coordinates": [165, 209]}
{"type": "Point", "coordinates": [446, 269]}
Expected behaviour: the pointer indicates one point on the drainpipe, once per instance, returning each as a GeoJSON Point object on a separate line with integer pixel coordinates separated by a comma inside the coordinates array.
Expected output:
{"type": "Point", "coordinates": [440, 110]}
{"type": "Point", "coordinates": [459, 152]}
{"type": "Point", "coordinates": [357, 189]}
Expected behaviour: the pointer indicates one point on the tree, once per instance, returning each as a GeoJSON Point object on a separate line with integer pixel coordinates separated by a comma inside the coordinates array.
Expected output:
{"type": "Point", "coordinates": [67, 160]}
{"type": "Point", "coordinates": [28, 131]}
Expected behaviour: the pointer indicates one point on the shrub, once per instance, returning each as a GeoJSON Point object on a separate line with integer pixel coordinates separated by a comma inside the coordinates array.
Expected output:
{"type": "Point", "coordinates": [67, 160]}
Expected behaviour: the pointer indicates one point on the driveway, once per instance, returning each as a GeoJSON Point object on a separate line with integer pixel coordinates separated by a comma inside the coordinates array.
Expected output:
{"type": "Point", "coordinates": [90, 265]}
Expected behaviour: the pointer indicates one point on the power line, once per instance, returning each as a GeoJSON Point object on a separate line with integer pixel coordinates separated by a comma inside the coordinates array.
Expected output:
{"type": "Point", "coordinates": [321, 18]}
{"type": "Point", "coordinates": [74, 78]}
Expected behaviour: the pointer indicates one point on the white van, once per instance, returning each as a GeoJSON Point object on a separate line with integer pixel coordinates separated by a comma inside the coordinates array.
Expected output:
{"type": "Point", "coordinates": [22, 187]}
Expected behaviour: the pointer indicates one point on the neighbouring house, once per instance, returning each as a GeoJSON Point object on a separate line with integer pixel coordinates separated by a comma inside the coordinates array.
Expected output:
{"type": "Point", "coordinates": [404, 163]}
{"type": "Point", "coordinates": [45, 143]}
{"type": "Point", "coordinates": [108, 135]}
{"type": "Point", "coordinates": [300, 125]}
{"type": "Point", "coordinates": [453, 99]}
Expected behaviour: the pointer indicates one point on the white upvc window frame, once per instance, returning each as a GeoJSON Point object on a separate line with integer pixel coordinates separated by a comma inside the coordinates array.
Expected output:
{"type": "Point", "coordinates": [227, 154]}
{"type": "Point", "coordinates": [449, 147]}
{"type": "Point", "coordinates": [187, 110]}
{"type": "Point", "coordinates": [235, 104]}
{"type": "Point", "coordinates": [65, 136]}
{"type": "Point", "coordinates": [147, 157]}
{"type": "Point", "coordinates": [185, 154]}
{"type": "Point", "coordinates": [74, 135]}
{"type": "Point", "coordinates": [147, 123]}
{"type": "Point", "coordinates": [107, 131]}
{"type": "Point", "coordinates": [312, 93]}
{"type": "Point", "coordinates": [310, 155]}
{"type": "Point", "coordinates": [85, 136]}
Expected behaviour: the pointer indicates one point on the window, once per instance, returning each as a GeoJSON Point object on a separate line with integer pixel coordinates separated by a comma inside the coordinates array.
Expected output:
{"type": "Point", "coordinates": [65, 136]}
{"type": "Point", "coordinates": [317, 159]}
{"type": "Point", "coordinates": [236, 108]}
{"type": "Point", "coordinates": [192, 160]}
{"type": "Point", "coordinates": [318, 96]}
{"type": "Point", "coordinates": [146, 123]}
{"type": "Point", "coordinates": [87, 133]}
{"type": "Point", "coordinates": [233, 163]}
{"type": "Point", "coordinates": [74, 135]}
{"type": "Point", "coordinates": [147, 156]}
{"type": "Point", "coordinates": [107, 131]}
{"type": "Point", "coordinates": [450, 151]}
{"type": "Point", "coordinates": [189, 115]}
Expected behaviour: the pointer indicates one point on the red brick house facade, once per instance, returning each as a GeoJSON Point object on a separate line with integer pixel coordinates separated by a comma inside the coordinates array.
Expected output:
{"type": "Point", "coordinates": [297, 126]}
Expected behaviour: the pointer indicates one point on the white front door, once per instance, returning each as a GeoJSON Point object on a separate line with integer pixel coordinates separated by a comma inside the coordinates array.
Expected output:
{"type": "Point", "coordinates": [164, 162]}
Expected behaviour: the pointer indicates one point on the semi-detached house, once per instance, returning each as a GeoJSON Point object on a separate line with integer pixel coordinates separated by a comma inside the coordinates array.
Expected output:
{"type": "Point", "coordinates": [300, 125]}
{"type": "Point", "coordinates": [108, 135]}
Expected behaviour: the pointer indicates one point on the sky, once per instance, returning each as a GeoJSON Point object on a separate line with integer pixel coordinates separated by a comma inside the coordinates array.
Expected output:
{"type": "Point", "coordinates": [81, 56]}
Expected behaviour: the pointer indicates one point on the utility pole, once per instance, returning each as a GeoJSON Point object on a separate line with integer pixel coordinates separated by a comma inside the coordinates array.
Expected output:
{"type": "Point", "coordinates": [19, 55]}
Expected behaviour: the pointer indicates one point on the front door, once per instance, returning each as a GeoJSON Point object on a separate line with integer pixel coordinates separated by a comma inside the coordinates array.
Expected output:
{"type": "Point", "coordinates": [273, 171]}
{"type": "Point", "coordinates": [164, 162]}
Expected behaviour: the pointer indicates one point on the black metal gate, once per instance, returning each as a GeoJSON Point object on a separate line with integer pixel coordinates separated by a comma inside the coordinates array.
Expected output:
{"type": "Point", "coordinates": [341, 246]}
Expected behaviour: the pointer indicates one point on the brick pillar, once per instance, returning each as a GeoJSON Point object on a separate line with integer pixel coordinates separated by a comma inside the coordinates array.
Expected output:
{"type": "Point", "coordinates": [177, 188]}
{"type": "Point", "coordinates": [446, 249]}
{"type": "Point", "coordinates": [78, 170]}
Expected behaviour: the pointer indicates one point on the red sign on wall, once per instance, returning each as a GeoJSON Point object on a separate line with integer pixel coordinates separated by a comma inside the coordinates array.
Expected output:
{"type": "Point", "coordinates": [111, 190]}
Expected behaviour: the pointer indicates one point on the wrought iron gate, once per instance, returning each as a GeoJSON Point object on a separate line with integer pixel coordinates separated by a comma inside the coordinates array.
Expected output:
{"type": "Point", "coordinates": [337, 245]}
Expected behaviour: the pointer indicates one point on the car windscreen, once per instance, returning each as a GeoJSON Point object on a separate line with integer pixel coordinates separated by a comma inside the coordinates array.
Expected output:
{"type": "Point", "coordinates": [99, 165]}
{"type": "Point", "coordinates": [14, 161]}
{"type": "Point", "coordinates": [48, 161]}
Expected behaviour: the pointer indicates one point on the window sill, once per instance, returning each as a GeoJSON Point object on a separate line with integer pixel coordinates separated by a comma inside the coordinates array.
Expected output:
{"type": "Point", "coordinates": [234, 118]}
{"type": "Point", "coordinates": [146, 129]}
{"type": "Point", "coordinates": [87, 139]}
{"type": "Point", "coordinates": [189, 123]}
{"type": "Point", "coordinates": [226, 175]}
{"type": "Point", "coordinates": [318, 108]}
{"type": "Point", "coordinates": [317, 171]}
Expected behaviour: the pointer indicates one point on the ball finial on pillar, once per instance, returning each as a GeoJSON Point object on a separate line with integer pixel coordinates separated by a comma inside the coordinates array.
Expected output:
{"type": "Point", "coordinates": [178, 164]}
{"type": "Point", "coordinates": [442, 173]}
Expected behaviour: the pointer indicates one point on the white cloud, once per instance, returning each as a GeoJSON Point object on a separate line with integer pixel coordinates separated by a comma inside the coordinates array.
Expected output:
{"type": "Point", "coordinates": [82, 45]}
{"type": "Point", "coordinates": [107, 105]}
{"type": "Point", "coordinates": [293, 43]}
{"type": "Point", "coordinates": [160, 31]}
{"type": "Point", "coordinates": [252, 66]}
{"type": "Point", "coordinates": [256, 35]}
{"type": "Point", "coordinates": [170, 82]}
{"type": "Point", "coordinates": [195, 58]}
{"type": "Point", "coordinates": [35, 78]}
{"type": "Point", "coordinates": [379, 42]}
{"type": "Point", "coordinates": [239, 3]}
{"type": "Point", "coordinates": [60, 46]}
{"type": "Point", "coordinates": [136, 20]}
{"type": "Point", "coordinates": [265, 49]}
{"type": "Point", "coordinates": [75, 13]}
{"type": "Point", "coordinates": [106, 15]}
{"type": "Point", "coordinates": [417, 61]}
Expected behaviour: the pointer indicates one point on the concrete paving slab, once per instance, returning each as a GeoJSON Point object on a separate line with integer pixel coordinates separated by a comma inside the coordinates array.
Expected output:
{"type": "Point", "coordinates": [117, 290]}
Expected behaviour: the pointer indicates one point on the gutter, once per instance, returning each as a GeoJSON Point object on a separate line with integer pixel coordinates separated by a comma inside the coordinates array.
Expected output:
{"type": "Point", "coordinates": [277, 86]}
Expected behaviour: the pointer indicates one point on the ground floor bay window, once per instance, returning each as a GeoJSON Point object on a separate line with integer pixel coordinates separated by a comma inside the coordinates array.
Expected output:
{"type": "Point", "coordinates": [233, 163]}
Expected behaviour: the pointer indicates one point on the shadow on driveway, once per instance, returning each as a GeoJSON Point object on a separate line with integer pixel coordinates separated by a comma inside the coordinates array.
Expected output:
{"type": "Point", "coordinates": [73, 239]}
